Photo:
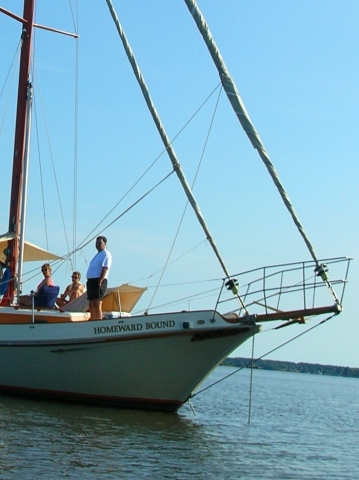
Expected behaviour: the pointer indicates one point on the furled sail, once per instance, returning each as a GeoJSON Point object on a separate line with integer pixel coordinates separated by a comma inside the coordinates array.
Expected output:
{"type": "Point", "coordinates": [242, 114]}
{"type": "Point", "coordinates": [166, 141]}
{"type": "Point", "coordinates": [247, 125]}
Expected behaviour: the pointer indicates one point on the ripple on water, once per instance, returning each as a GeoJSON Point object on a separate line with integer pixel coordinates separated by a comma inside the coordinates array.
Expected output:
{"type": "Point", "coordinates": [302, 427]}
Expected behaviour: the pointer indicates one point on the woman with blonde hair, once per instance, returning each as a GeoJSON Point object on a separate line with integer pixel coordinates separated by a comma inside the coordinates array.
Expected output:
{"type": "Point", "coordinates": [26, 300]}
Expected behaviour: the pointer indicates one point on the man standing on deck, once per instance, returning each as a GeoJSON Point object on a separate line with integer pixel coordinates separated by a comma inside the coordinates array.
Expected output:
{"type": "Point", "coordinates": [97, 274]}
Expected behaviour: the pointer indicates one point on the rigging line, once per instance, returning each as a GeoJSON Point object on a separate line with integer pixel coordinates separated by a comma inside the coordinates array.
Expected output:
{"type": "Point", "coordinates": [53, 164]}
{"type": "Point", "coordinates": [197, 296]}
{"type": "Point", "coordinates": [75, 20]}
{"type": "Point", "coordinates": [34, 272]}
{"type": "Point", "coordinates": [75, 191]}
{"type": "Point", "coordinates": [10, 68]}
{"type": "Point", "coordinates": [196, 282]}
{"type": "Point", "coordinates": [84, 243]}
{"type": "Point", "coordinates": [56, 264]}
{"type": "Point", "coordinates": [168, 257]}
{"type": "Point", "coordinates": [163, 135]}
{"type": "Point", "coordinates": [33, 70]}
{"type": "Point", "coordinates": [207, 137]}
{"type": "Point", "coordinates": [41, 176]}
{"type": "Point", "coordinates": [186, 206]}
{"type": "Point", "coordinates": [75, 163]}
{"type": "Point", "coordinates": [156, 159]}
{"type": "Point", "coordinates": [10, 90]}
{"type": "Point", "coordinates": [121, 200]}
{"type": "Point", "coordinates": [219, 85]}
{"type": "Point", "coordinates": [244, 118]}
{"type": "Point", "coordinates": [170, 263]}
{"type": "Point", "coordinates": [264, 355]}
{"type": "Point", "coordinates": [251, 384]}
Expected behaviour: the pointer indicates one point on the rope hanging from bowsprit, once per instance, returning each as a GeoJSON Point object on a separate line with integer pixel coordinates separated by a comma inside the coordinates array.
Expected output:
{"type": "Point", "coordinates": [255, 360]}
{"type": "Point", "coordinates": [251, 384]}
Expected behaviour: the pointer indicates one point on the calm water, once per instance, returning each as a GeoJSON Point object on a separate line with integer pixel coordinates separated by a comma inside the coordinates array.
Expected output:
{"type": "Point", "coordinates": [302, 427]}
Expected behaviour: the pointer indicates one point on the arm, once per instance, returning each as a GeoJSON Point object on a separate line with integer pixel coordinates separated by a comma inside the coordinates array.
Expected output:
{"type": "Point", "coordinates": [106, 264]}
{"type": "Point", "coordinates": [102, 276]}
{"type": "Point", "coordinates": [48, 281]}
{"type": "Point", "coordinates": [66, 292]}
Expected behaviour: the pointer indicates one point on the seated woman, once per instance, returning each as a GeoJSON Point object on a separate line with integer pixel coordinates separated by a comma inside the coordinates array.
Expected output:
{"type": "Point", "coordinates": [73, 291]}
{"type": "Point", "coordinates": [26, 300]}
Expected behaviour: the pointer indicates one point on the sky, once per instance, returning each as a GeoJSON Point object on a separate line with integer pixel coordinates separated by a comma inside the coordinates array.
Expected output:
{"type": "Point", "coordinates": [295, 64]}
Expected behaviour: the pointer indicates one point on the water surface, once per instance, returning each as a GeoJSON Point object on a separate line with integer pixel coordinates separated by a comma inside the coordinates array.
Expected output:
{"type": "Point", "coordinates": [302, 427]}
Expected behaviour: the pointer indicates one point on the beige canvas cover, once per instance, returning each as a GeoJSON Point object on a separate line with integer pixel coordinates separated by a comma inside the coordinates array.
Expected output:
{"type": "Point", "coordinates": [32, 253]}
{"type": "Point", "coordinates": [117, 299]}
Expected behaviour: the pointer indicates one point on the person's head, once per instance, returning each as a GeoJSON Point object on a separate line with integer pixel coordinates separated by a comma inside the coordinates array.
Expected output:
{"type": "Point", "coordinates": [101, 243]}
{"type": "Point", "coordinates": [46, 269]}
{"type": "Point", "coordinates": [75, 277]}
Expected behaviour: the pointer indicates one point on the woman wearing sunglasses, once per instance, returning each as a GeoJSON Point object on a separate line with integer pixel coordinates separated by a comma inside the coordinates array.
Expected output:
{"type": "Point", "coordinates": [26, 300]}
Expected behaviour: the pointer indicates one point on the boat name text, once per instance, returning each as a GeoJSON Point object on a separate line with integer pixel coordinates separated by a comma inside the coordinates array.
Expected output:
{"type": "Point", "coordinates": [134, 327]}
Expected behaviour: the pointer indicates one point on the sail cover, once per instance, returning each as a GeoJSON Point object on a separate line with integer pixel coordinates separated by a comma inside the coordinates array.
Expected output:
{"type": "Point", "coordinates": [118, 299]}
{"type": "Point", "coordinates": [32, 253]}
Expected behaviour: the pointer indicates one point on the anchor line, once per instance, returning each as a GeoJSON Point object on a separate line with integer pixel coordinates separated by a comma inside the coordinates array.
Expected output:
{"type": "Point", "coordinates": [251, 384]}
{"type": "Point", "coordinates": [253, 361]}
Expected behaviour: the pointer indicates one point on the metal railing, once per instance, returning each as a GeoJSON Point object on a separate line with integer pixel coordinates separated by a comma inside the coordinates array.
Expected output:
{"type": "Point", "coordinates": [286, 291]}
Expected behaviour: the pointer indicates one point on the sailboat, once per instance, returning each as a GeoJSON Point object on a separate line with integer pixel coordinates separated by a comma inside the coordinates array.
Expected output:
{"type": "Point", "coordinates": [152, 361]}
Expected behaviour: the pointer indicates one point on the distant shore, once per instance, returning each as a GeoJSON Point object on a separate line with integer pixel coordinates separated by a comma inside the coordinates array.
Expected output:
{"type": "Point", "coordinates": [312, 368]}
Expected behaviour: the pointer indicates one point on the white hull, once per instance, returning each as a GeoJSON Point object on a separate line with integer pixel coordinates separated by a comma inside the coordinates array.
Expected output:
{"type": "Point", "coordinates": [153, 361]}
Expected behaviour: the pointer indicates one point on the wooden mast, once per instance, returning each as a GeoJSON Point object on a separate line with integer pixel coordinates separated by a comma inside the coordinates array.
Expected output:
{"type": "Point", "coordinates": [19, 145]}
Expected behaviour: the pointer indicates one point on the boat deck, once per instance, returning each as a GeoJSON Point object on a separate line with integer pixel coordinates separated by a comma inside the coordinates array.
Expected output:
{"type": "Point", "coordinates": [23, 315]}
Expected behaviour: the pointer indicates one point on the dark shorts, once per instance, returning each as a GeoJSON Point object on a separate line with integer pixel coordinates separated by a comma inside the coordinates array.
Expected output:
{"type": "Point", "coordinates": [94, 291]}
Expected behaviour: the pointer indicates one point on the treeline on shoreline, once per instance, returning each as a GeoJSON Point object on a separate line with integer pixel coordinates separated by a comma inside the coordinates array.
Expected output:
{"type": "Point", "coordinates": [313, 368]}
